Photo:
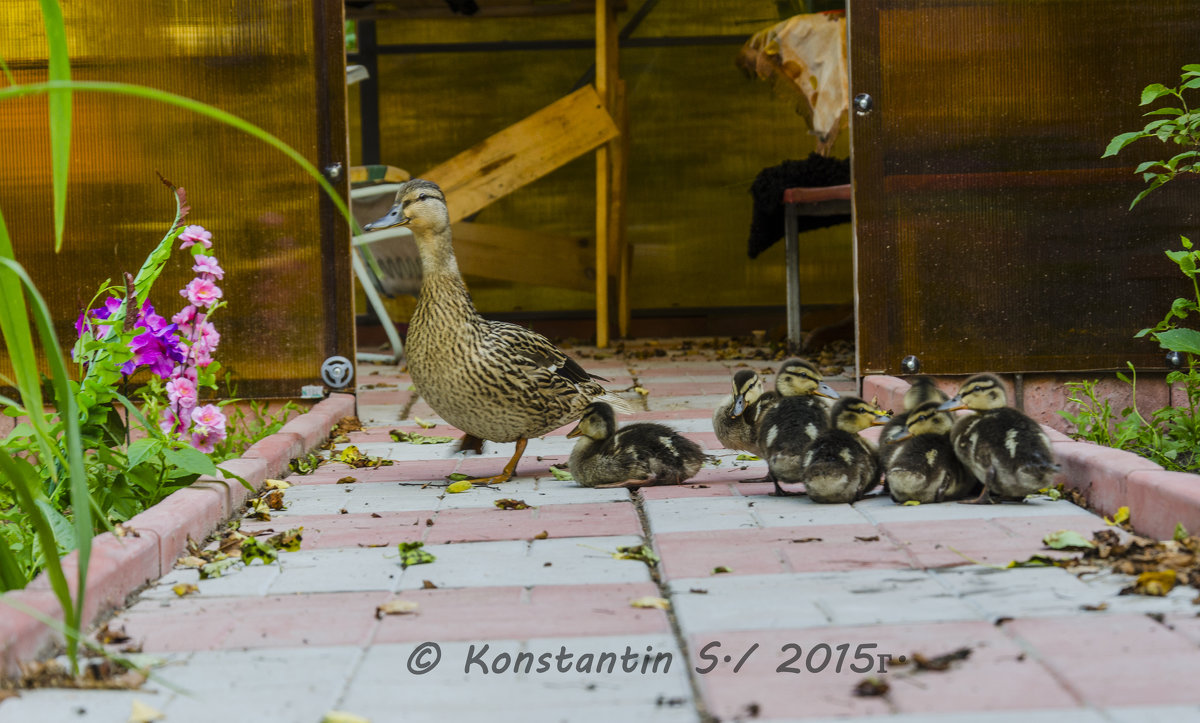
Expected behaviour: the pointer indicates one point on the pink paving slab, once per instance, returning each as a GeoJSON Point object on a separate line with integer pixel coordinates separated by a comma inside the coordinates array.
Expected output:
{"type": "Point", "coordinates": [948, 543]}
{"type": "Point", "coordinates": [379, 397]}
{"type": "Point", "coordinates": [423, 470]}
{"type": "Point", "coordinates": [996, 676]}
{"type": "Point", "coordinates": [493, 523]}
{"type": "Point", "coordinates": [686, 389]}
{"type": "Point", "coordinates": [276, 621]}
{"type": "Point", "coordinates": [776, 550]}
{"type": "Point", "coordinates": [350, 530]}
{"type": "Point", "coordinates": [491, 613]}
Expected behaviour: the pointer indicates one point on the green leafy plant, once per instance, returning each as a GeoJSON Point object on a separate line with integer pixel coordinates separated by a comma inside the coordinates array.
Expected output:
{"type": "Point", "coordinates": [1171, 436]}
{"type": "Point", "coordinates": [58, 457]}
{"type": "Point", "coordinates": [1179, 125]}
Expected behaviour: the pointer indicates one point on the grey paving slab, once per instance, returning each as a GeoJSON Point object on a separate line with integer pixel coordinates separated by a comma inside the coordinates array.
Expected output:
{"type": "Point", "coordinates": [240, 581]}
{"type": "Point", "coordinates": [795, 511]}
{"type": "Point", "coordinates": [328, 499]}
{"type": "Point", "coordinates": [1076, 715]}
{"type": "Point", "coordinates": [882, 509]}
{"type": "Point", "coordinates": [572, 561]}
{"type": "Point", "coordinates": [1050, 591]}
{"type": "Point", "coordinates": [1154, 714]}
{"type": "Point", "coordinates": [690, 514]}
{"type": "Point", "coordinates": [660, 403]}
{"type": "Point", "coordinates": [50, 705]}
{"type": "Point", "coordinates": [544, 491]}
{"type": "Point", "coordinates": [451, 692]}
{"type": "Point", "coordinates": [799, 600]}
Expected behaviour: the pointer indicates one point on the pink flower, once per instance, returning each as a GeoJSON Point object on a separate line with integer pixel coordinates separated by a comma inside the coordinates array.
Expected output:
{"type": "Point", "coordinates": [201, 292]}
{"type": "Point", "coordinates": [208, 335]}
{"type": "Point", "coordinates": [181, 392]}
{"type": "Point", "coordinates": [195, 235]}
{"type": "Point", "coordinates": [208, 427]}
{"type": "Point", "coordinates": [207, 267]}
{"type": "Point", "coordinates": [185, 318]}
{"type": "Point", "coordinates": [168, 421]}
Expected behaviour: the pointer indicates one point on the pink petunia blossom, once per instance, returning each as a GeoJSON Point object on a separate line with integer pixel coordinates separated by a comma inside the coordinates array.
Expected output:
{"type": "Point", "coordinates": [195, 235]}
{"type": "Point", "coordinates": [208, 417]}
{"type": "Point", "coordinates": [181, 392]}
{"type": "Point", "coordinates": [201, 292]}
{"type": "Point", "coordinates": [208, 267]}
{"type": "Point", "coordinates": [184, 319]}
{"type": "Point", "coordinates": [169, 421]}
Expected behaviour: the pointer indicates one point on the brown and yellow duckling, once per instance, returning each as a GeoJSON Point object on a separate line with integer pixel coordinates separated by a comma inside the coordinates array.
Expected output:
{"type": "Point", "coordinates": [919, 465]}
{"type": "Point", "coordinates": [1003, 448]}
{"type": "Point", "coordinates": [793, 420]}
{"type": "Point", "coordinates": [493, 380]}
{"type": "Point", "coordinates": [735, 418]}
{"type": "Point", "coordinates": [923, 389]}
{"type": "Point", "coordinates": [636, 455]}
{"type": "Point", "coordinates": [839, 465]}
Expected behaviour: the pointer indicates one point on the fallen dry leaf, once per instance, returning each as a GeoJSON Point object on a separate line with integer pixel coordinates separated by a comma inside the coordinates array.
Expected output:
{"type": "Point", "coordinates": [507, 503]}
{"type": "Point", "coordinates": [274, 499]}
{"type": "Point", "coordinates": [1155, 583]}
{"type": "Point", "coordinates": [871, 687]}
{"type": "Point", "coordinates": [650, 602]}
{"type": "Point", "coordinates": [397, 607]}
{"type": "Point", "coordinates": [108, 636]}
{"type": "Point", "coordinates": [142, 713]}
{"type": "Point", "coordinates": [347, 480]}
{"type": "Point", "coordinates": [340, 716]}
{"type": "Point", "coordinates": [276, 484]}
{"type": "Point", "coordinates": [184, 588]}
{"type": "Point", "coordinates": [190, 561]}
{"type": "Point", "coordinates": [940, 662]}
{"type": "Point", "coordinates": [428, 585]}
{"type": "Point", "coordinates": [541, 535]}
{"type": "Point", "coordinates": [459, 486]}
{"type": "Point", "coordinates": [872, 538]}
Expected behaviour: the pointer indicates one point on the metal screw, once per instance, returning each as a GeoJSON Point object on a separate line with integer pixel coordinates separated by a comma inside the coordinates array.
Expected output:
{"type": "Point", "coordinates": [1174, 360]}
{"type": "Point", "coordinates": [333, 172]}
{"type": "Point", "coordinates": [863, 104]}
{"type": "Point", "coordinates": [910, 364]}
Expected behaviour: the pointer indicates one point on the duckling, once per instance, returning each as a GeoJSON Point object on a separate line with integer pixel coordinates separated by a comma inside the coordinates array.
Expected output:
{"type": "Point", "coordinates": [634, 456]}
{"type": "Point", "coordinates": [792, 421]}
{"type": "Point", "coordinates": [839, 465]}
{"type": "Point", "coordinates": [1005, 449]}
{"type": "Point", "coordinates": [920, 465]}
{"type": "Point", "coordinates": [922, 390]}
{"type": "Point", "coordinates": [735, 417]}
{"type": "Point", "coordinates": [492, 380]}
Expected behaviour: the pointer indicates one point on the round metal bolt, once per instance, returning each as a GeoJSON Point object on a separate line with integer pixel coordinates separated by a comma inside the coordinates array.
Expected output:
{"type": "Point", "coordinates": [333, 172]}
{"type": "Point", "coordinates": [1175, 360]}
{"type": "Point", "coordinates": [910, 364]}
{"type": "Point", "coordinates": [863, 104]}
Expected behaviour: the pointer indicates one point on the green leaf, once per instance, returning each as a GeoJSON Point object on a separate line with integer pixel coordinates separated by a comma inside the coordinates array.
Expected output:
{"type": "Point", "coordinates": [191, 461]}
{"type": "Point", "coordinates": [1181, 532]}
{"type": "Point", "coordinates": [561, 474]}
{"type": "Point", "coordinates": [1142, 167]}
{"type": "Point", "coordinates": [142, 450]}
{"type": "Point", "coordinates": [457, 477]}
{"type": "Point", "coordinates": [399, 435]}
{"type": "Point", "coordinates": [1184, 340]}
{"type": "Point", "coordinates": [1154, 125]}
{"type": "Point", "coordinates": [1153, 92]}
{"type": "Point", "coordinates": [60, 113]}
{"type": "Point", "coordinates": [1120, 141]}
{"type": "Point", "coordinates": [217, 567]}
{"type": "Point", "coordinates": [1067, 540]}
{"type": "Point", "coordinates": [255, 549]}
{"type": "Point", "coordinates": [1153, 185]}
{"type": "Point", "coordinates": [1193, 83]}
{"type": "Point", "coordinates": [1165, 111]}
{"type": "Point", "coordinates": [641, 553]}
{"type": "Point", "coordinates": [411, 553]}
{"type": "Point", "coordinates": [747, 458]}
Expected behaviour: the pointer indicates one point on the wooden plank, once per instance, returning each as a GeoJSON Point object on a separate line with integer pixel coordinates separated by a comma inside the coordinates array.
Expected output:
{"type": "Point", "coordinates": [606, 56]}
{"type": "Point", "coordinates": [620, 253]}
{"type": "Point", "coordinates": [415, 9]}
{"type": "Point", "coordinates": [525, 257]}
{"type": "Point", "coordinates": [523, 152]}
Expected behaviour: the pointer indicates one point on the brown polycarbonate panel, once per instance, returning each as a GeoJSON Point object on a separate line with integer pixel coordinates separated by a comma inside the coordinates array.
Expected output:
{"type": "Point", "coordinates": [990, 233]}
{"type": "Point", "coordinates": [278, 64]}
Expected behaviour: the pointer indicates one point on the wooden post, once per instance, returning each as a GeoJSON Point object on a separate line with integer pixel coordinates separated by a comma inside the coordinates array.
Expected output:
{"type": "Point", "coordinates": [606, 86]}
{"type": "Point", "coordinates": [621, 252]}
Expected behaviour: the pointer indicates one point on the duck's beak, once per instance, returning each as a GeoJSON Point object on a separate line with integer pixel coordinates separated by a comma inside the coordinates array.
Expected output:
{"type": "Point", "coordinates": [879, 419]}
{"type": "Point", "coordinates": [739, 406]}
{"type": "Point", "coordinates": [824, 390]}
{"type": "Point", "coordinates": [575, 432]}
{"type": "Point", "coordinates": [952, 405]}
{"type": "Point", "coordinates": [394, 217]}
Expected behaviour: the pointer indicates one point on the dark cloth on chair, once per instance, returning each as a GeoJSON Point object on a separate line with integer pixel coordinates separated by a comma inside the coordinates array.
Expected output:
{"type": "Point", "coordinates": [766, 224]}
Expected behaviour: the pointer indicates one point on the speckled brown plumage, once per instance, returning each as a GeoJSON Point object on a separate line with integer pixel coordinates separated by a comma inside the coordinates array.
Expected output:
{"type": "Point", "coordinates": [493, 380]}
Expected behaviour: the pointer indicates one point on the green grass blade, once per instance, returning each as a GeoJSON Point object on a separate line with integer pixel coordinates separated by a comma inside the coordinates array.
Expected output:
{"type": "Point", "coordinates": [12, 576]}
{"type": "Point", "coordinates": [196, 106]}
{"type": "Point", "coordinates": [60, 112]}
{"type": "Point", "coordinates": [68, 410]}
{"type": "Point", "coordinates": [25, 483]}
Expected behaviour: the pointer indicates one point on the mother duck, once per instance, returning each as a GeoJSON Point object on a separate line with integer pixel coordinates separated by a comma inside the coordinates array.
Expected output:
{"type": "Point", "coordinates": [493, 380]}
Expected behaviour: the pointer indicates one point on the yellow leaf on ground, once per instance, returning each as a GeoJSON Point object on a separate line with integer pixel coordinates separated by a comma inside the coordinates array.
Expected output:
{"type": "Point", "coordinates": [423, 424]}
{"type": "Point", "coordinates": [184, 588]}
{"type": "Point", "coordinates": [1156, 584]}
{"type": "Point", "coordinates": [142, 713]}
{"type": "Point", "coordinates": [340, 716]}
{"type": "Point", "coordinates": [276, 484]}
{"type": "Point", "coordinates": [650, 602]}
{"type": "Point", "coordinates": [460, 486]}
{"type": "Point", "coordinates": [396, 607]}
{"type": "Point", "coordinates": [190, 561]}
{"type": "Point", "coordinates": [1120, 518]}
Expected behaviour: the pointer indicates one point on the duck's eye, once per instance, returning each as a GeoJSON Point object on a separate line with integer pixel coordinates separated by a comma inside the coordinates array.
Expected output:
{"type": "Point", "coordinates": [421, 197]}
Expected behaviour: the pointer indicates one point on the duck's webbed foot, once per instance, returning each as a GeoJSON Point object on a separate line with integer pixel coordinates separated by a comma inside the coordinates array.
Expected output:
{"type": "Point", "coordinates": [985, 496]}
{"type": "Point", "coordinates": [508, 470]}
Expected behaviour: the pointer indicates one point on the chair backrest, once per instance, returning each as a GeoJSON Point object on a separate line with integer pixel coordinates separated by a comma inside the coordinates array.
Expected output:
{"type": "Point", "coordinates": [390, 255]}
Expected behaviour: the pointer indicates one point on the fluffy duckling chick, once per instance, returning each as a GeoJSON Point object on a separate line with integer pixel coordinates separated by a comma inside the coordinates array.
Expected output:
{"type": "Point", "coordinates": [920, 464]}
{"type": "Point", "coordinates": [922, 390]}
{"type": "Point", "coordinates": [793, 421]}
{"type": "Point", "coordinates": [637, 455]}
{"type": "Point", "coordinates": [1002, 447]}
{"type": "Point", "coordinates": [735, 417]}
{"type": "Point", "coordinates": [839, 465]}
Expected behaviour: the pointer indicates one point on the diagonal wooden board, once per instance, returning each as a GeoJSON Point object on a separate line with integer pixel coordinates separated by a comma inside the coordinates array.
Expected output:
{"type": "Point", "coordinates": [524, 152]}
{"type": "Point", "coordinates": [498, 252]}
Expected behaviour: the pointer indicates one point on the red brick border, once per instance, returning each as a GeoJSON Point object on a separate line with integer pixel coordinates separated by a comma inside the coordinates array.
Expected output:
{"type": "Point", "coordinates": [120, 566]}
{"type": "Point", "coordinates": [1108, 478]}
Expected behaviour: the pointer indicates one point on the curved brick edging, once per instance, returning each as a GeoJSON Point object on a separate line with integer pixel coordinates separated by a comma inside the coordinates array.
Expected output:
{"type": "Point", "coordinates": [120, 566]}
{"type": "Point", "coordinates": [1107, 478]}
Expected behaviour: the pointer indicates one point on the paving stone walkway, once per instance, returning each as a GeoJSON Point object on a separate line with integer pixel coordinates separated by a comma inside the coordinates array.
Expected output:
{"type": "Point", "coordinates": [525, 615]}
